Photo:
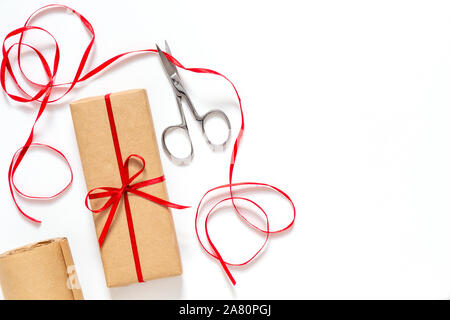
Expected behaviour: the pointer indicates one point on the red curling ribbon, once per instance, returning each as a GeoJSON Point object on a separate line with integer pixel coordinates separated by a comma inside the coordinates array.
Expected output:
{"type": "Point", "coordinates": [116, 194]}
{"type": "Point", "coordinates": [43, 95]}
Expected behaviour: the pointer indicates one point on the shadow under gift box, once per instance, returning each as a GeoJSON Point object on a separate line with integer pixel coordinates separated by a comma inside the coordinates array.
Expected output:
{"type": "Point", "coordinates": [153, 224]}
{"type": "Point", "coordinates": [40, 271]}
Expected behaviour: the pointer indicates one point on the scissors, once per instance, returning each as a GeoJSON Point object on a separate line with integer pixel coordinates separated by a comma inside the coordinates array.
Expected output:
{"type": "Point", "coordinates": [180, 93]}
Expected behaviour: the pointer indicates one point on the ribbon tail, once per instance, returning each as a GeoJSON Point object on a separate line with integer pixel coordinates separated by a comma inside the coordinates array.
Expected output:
{"type": "Point", "coordinates": [222, 262]}
{"type": "Point", "coordinates": [158, 200]}
{"type": "Point", "coordinates": [105, 229]}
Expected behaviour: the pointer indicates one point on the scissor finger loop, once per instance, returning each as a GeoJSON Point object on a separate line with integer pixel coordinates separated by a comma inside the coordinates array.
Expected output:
{"type": "Point", "coordinates": [211, 115]}
{"type": "Point", "coordinates": [177, 160]}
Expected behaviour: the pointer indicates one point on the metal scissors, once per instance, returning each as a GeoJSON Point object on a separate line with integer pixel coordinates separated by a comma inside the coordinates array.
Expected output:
{"type": "Point", "coordinates": [180, 92]}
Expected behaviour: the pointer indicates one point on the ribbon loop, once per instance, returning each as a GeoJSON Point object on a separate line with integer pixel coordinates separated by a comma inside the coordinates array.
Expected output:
{"type": "Point", "coordinates": [126, 165]}
{"type": "Point", "coordinates": [106, 192]}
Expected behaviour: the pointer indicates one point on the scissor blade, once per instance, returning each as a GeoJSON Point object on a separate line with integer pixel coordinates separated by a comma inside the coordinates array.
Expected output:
{"type": "Point", "coordinates": [167, 47]}
{"type": "Point", "coordinates": [170, 52]}
{"type": "Point", "coordinates": [169, 67]}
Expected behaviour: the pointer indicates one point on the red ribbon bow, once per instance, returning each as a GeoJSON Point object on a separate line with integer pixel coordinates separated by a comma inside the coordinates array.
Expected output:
{"type": "Point", "coordinates": [115, 194]}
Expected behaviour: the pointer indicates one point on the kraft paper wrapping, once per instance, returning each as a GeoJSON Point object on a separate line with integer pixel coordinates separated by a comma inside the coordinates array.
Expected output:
{"type": "Point", "coordinates": [153, 223]}
{"type": "Point", "coordinates": [40, 271]}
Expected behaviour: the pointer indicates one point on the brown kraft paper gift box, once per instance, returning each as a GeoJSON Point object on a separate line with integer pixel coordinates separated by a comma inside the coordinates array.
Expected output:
{"type": "Point", "coordinates": [153, 224]}
{"type": "Point", "coordinates": [40, 271]}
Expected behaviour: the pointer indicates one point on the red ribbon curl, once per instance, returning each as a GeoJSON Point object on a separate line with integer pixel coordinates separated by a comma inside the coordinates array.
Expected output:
{"type": "Point", "coordinates": [43, 95]}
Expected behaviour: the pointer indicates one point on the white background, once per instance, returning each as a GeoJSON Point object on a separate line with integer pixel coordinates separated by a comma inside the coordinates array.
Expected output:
{"type": "Point", "coordinates": [347, 109]}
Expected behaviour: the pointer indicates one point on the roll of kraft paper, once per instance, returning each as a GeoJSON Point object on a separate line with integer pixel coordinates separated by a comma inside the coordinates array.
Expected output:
{"type": "Point", "coordinates": [40, 271]}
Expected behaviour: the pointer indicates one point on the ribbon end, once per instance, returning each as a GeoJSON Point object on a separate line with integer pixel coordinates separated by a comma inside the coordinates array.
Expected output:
{"type": "Point", "coordinates": [228, 272]}
{"type": "Point", "coordinates": [100, 240]}
{"type": "Point", "coordinates": [31, 218]}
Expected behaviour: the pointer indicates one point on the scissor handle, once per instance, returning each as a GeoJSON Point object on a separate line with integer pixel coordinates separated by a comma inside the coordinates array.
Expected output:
{"type": "Point", "coordinates": [175, 159]}
{"type": "Point", "coordinates": [212, 114]}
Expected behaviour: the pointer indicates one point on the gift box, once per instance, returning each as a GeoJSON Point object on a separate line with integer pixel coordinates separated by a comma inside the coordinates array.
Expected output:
{"type": "Point", "coordinates": [40, 271]}
{"type": "Point", "coordinates": [122, 168]}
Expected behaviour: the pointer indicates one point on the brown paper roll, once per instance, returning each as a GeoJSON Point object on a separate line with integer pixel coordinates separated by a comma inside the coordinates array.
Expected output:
{"type": "Point", "coordinates": [40, 271]}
